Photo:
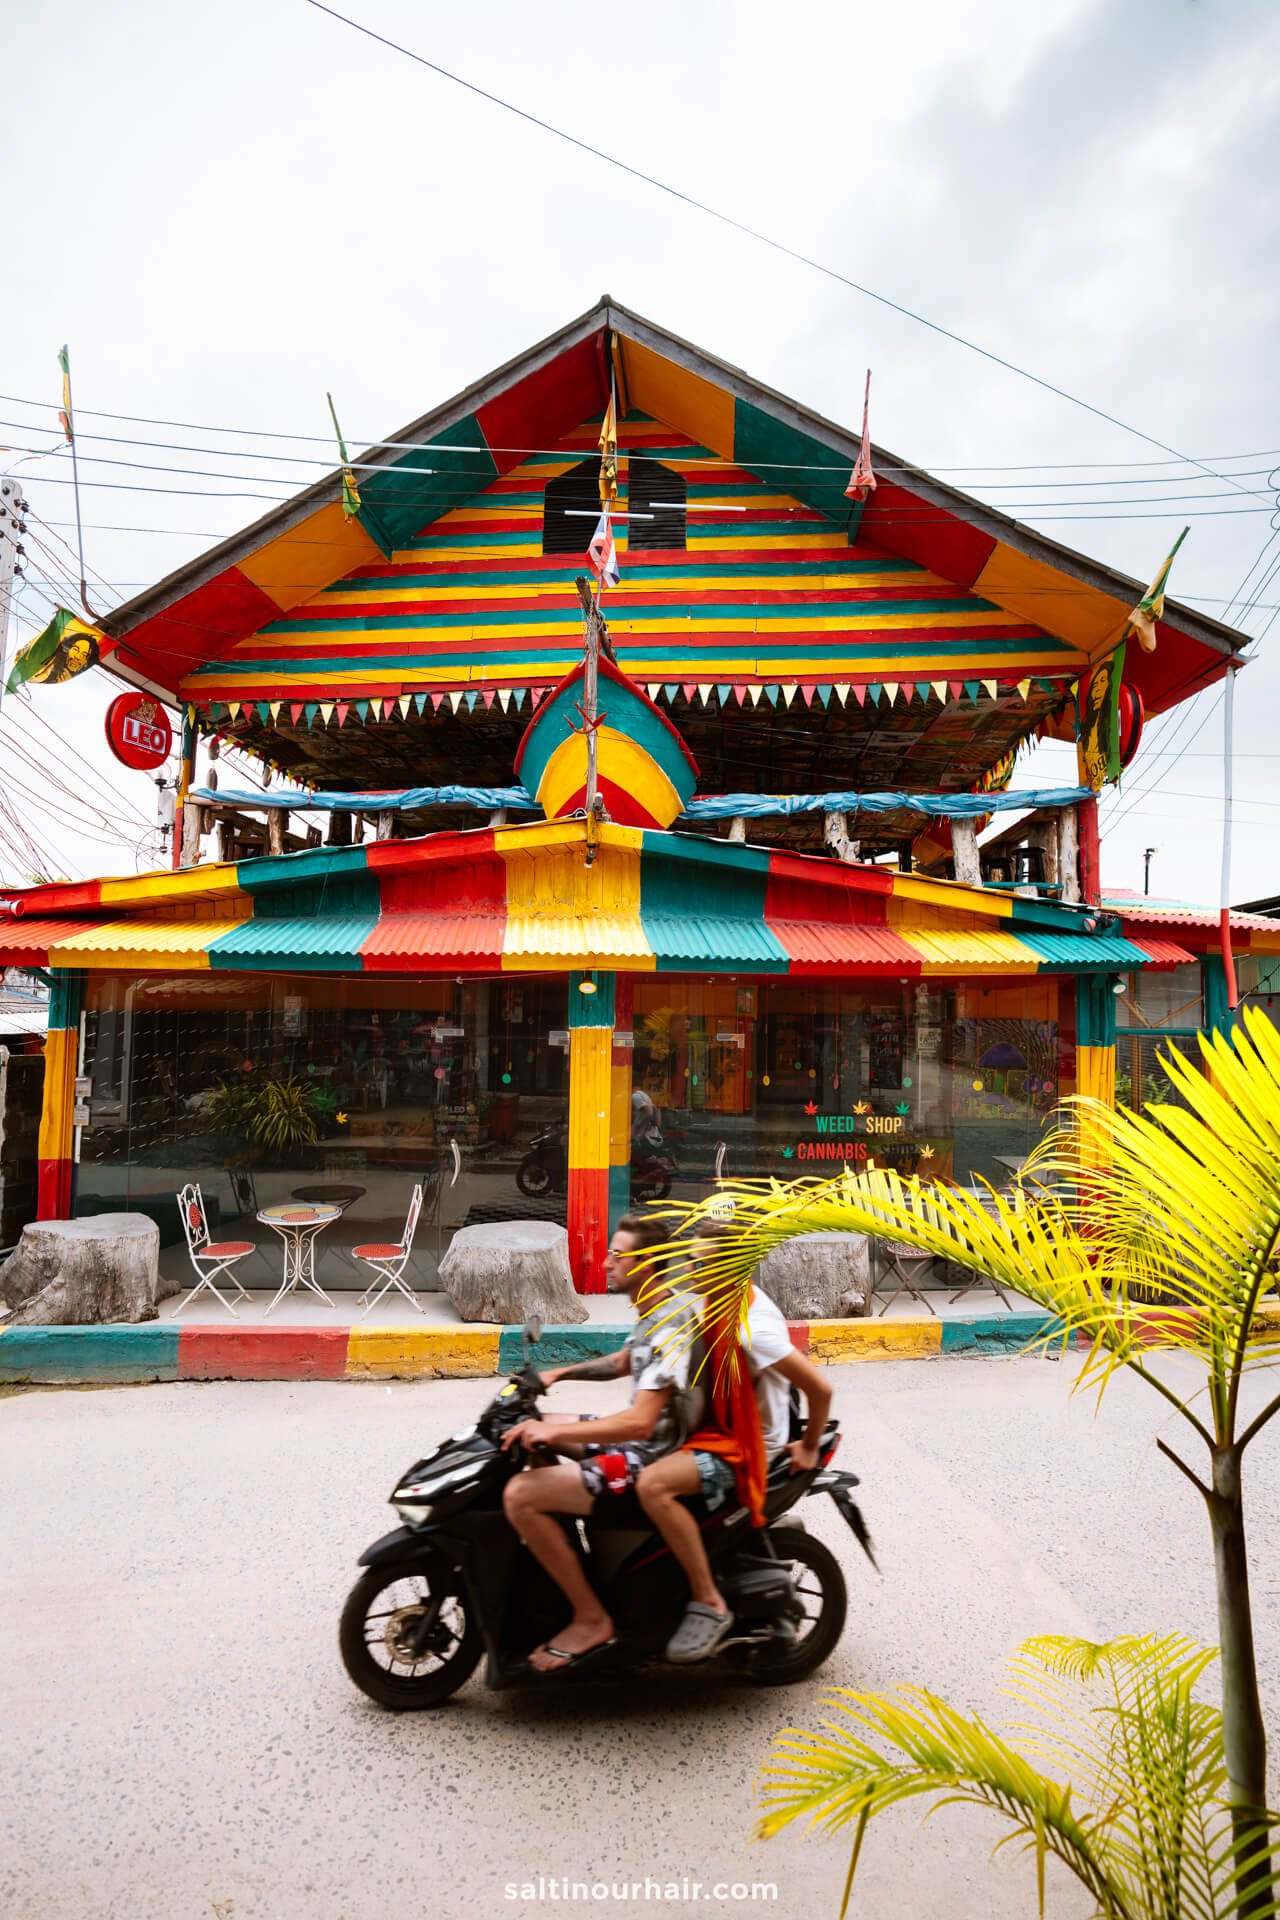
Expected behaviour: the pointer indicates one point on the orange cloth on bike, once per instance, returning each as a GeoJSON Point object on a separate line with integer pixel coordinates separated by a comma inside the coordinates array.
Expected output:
{"type": "Point", "coordinates": [736, 1435]}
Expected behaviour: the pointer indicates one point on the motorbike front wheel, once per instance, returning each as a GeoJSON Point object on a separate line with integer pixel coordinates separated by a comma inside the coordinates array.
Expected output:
{"type": "Point", "coordinates": [409, 1637]}
{"type": "Point", "coordinates": [533, 1177]}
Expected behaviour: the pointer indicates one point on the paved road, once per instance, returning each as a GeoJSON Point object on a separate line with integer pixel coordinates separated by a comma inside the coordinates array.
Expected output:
{"type": "Point", "coordinates": [179, 1742]}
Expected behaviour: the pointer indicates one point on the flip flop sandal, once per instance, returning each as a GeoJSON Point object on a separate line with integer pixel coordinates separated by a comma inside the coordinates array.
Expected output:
{"type": "Point", "coordinates": [572, 1659]}
{"type": "Point", "coordinates": [698, 1635]}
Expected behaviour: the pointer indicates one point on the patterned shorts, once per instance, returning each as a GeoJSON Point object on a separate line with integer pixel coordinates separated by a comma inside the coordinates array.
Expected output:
{"type": "Point", "coordinates": [612, 1469]}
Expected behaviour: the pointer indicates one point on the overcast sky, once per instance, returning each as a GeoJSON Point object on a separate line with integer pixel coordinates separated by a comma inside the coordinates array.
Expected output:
{"type": "Point", "coordinates": [228, 209]}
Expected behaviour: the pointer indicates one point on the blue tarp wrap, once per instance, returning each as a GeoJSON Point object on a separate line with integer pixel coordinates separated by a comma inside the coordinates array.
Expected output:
{"type": "Point", "coordinates": [717, 806]}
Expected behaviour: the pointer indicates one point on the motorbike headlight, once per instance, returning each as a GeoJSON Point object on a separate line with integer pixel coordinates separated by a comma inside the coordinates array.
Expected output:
{"type": "Point", "coordinates": [415, 1515]}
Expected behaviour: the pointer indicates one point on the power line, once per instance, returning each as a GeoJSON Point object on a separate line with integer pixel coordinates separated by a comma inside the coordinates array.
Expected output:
{"type": "Point", "coordinates": [755, 233]}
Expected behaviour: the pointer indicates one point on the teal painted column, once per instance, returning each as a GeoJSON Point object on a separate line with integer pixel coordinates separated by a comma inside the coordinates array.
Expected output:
{"type": "Point", "coordinates": [1096, 1036]}
{"type": "Point", "coordinates": [1218, 1016]}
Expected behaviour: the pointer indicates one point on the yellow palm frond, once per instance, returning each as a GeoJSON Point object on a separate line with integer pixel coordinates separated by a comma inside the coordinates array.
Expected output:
{"type": "Point", "coordinates": [1135, 1805]}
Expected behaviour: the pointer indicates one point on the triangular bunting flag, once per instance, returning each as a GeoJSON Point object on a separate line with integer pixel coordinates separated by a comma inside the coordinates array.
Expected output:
{"type": "Point", "coordinates": [807, 691]}
{"type": "Point", "coordinates": [704, 694]}
{"type": "Point", "coordinates": [472, 700]}
{"type": "Point", "coordinates": [362, 709]}
{"type": "Point", "coordinates": [388, 708]}
{"type": "Point", "coordinates": [1024, 688]}
{"type": "Point", "coordinates": [824, 694]}
{"type": "Point", "coordinates": [653, 689]}
{"type": "Point", "coordinates": [263, 711]}
{"type": "Point", "coordinates": [517, 697]}
{"type": "Point", "coordinates": [788, 690]}
{"type": "Point", "coordinates": [455, 701]}
{"type": "Point", "coordinates": [990, 688]}
{"type": "Point", "coordinates": [273, 707]}
{"type": "Point", "coordinates": [891, 688]}
{"type": "Point", "coordinates": [326, 711]}
{"type": "Point", "coordinates": [690, 688]}
{"type": "Point", "coordinates": [874, 690]}
{"type": "Point", "coordinates": [939, 691]}
{"type": "Point", "coordinates": [403, 705]}
{"type": "Point", "coordinates": [296, 712]}
{"type": "Point", "coordinates": [956, 688]}
{"type": "Point", "coordinates": [723, 694]}
{"type": "Point", "coordinates": [504, 698]}
{"type": "Point", "coordinates": [420, 702]}
{"type": "Point", "coordinates": [771, 695]}
{"type": "Point", "coordinates": [859, 692]}
{"type": "Point", "coordinates": [671, 689]}
{"type": "Point", "coordinates": [343, 709]}
{"type": "Point", "coordinates": [437, 701]}
{"type": "Point", "coordinates": [311, 709]}
{"type": "Point", "coordinates": [740, 694]}
{"type": "Point", "coordinates": [753, 694]}
{"type": "Point", "coordinates": [973, 688]}
{"type": "Point", "coordinates": [487, 696]}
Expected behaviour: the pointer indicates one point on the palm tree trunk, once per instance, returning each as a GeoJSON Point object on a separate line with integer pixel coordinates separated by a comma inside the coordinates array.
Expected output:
{"type": "Point", "coordinates": [1244, 1735]}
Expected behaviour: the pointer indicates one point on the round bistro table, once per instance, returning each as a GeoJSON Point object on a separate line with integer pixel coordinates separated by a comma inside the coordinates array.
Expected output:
{"type": "Point", "coordinates": [298, 1224]}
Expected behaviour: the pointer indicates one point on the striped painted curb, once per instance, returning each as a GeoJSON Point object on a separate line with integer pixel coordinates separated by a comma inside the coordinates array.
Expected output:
{"type": "Point", "coordinates": [162, 1351]}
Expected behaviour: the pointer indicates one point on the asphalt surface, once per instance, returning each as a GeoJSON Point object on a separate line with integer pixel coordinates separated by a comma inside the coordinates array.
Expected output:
{"type": "Point", "coordinates": [178, 1738]}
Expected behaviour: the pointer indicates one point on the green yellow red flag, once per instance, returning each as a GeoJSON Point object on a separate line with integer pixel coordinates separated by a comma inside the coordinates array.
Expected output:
{"type": "Point", "coordinates": [68, 646]}
{"type": "Point", "coordinates": [64, 411]}
{"type": "Point", "coordinates": [1142, 621]}
{"type": "Point", "coordinates": [1098, 721]}
{"type": "Point", "coordinates": [350, 491]}
{"type": "Point", "coordinates": [609, 457]}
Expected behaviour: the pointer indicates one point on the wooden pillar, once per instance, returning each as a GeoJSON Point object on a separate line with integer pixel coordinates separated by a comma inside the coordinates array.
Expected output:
{"type": "Point", "coordinates": [277, 821]}
{"type": "Point", "coordinates": [1090, 854]}
{"type": "Point", "coordinates": [964, 847]}
{"type": "Point", "coordinates": [55, 1147]}
{"type": "Point", "coordinates": [1069, 856]}
{"type": "Point", "coordinates": [738, 827]}
{"type": "Point", "coordinates": [835, 836]}
{"type": "Point", "coordinates": [386, 824]}
{"type": "Point", "coordinates": [339, 829]}
{"type": "Point", "coordinates": [192, 828]}
{"type": "Point", "coordinates": [591, 1024]}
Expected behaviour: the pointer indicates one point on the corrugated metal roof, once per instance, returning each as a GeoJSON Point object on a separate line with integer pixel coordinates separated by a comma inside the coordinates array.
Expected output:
{"type": "Point", "coordinates": [26, 943]}
{"type": "Point", "coordinates": [323, 940]}
{"type": "Point", "coordinates": [592, 937]}
{"type": "Point", "coordinates": [134, 943]}
{"type": "Point", "coordinates": [869, 949]}
{"type": "Point", "coordinates": [715, 940]}
{"type": "Point", "coordinates": [441, 936]}
{"type": "Point", "coordinates": [1163, 953]}
{"type": "Point", "coordinates": [1081, 950]}
{"type": "Point", "coordinates": [956, 951]}
{"type": "Point", "coordinates": [1139, 907]}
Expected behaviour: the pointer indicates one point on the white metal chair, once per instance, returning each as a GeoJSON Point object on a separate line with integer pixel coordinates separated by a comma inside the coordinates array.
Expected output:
{"type": "Point", "coordinates": [210, 1259]}
{"type": "Point", "coordinates": [389, 1260]}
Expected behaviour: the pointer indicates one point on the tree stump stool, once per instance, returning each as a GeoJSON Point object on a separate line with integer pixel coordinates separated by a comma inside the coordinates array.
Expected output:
{"type": "Point", "coordinates": [512, 1271]}
{"type": "Point", "coordinates": [78, 1273]}
{"type": "Point", "coordinates": [819, 1276]}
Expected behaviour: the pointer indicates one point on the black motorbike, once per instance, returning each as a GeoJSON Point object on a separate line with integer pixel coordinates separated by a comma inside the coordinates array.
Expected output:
{"type": "Point", "coordinates": [545, 1168]}
{"type": "Point", "coordinates": [454, 1582]}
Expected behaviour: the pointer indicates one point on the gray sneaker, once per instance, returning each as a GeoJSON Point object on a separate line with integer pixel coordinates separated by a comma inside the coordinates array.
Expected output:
{"type": "Point", "coordinates": [698, 1635]}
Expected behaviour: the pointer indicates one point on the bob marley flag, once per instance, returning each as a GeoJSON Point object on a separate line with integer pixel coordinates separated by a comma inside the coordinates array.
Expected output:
{"type": "Point", "coordinates": [1098, 721]}
{"type": "Point", "coordinates": [68, 646]}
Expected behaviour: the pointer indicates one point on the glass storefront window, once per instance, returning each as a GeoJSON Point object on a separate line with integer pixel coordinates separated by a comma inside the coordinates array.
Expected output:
{"type": "Point", "coordinates": [258, 1086]}
{"type": "Point", "coordinates": [796, 1077]}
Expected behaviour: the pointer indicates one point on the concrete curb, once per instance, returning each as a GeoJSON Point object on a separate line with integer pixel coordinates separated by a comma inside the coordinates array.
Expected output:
{"type": "Point", "coordinates": [164, 1351]}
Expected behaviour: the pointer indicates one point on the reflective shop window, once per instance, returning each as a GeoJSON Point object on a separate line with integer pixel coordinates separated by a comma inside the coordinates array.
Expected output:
{"type": "Point", "coordinates": [802, 1078]}
{"type": "Point", "coordinates": [256, 1087]}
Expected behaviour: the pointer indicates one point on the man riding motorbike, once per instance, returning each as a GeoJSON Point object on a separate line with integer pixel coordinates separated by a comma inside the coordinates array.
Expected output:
{"type": "Point", "coordinates": [613, 1450]}
{"type": "Point", "coordinates": [706, 1463]}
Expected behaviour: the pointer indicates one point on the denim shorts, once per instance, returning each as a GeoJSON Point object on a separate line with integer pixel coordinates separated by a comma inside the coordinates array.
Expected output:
{"type": "Point", "coordinates": [715, 1478]}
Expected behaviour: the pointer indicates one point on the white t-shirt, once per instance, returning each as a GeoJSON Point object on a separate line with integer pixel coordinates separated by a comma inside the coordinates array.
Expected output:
{"type": "Point", "coordinates": [766, 1343]}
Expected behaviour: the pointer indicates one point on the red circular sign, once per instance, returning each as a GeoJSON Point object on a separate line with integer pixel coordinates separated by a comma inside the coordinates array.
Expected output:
{"type": "Point", "coordinates": [138, 731]}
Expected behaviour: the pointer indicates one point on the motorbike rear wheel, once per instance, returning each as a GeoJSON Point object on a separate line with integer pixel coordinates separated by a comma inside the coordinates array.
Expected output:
{"type": "Point", "coordinates": [409, 1636]}
{"type": "Point", "coordinates": [534, 1177]}
{"type": "Point", "coordinates": [821, 1592]}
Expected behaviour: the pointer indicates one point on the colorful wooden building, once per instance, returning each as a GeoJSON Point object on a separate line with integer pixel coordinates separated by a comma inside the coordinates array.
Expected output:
{"type": "Point", "coordinates": [758, 957]}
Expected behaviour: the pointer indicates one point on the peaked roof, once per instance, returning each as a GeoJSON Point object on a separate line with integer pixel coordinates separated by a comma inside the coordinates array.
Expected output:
{"type": "Point", "coordinates": [198, 614]}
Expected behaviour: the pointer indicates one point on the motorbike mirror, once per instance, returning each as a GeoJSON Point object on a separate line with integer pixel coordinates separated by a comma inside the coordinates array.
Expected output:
{"type": "Point", "coordinates": [531, 1333]}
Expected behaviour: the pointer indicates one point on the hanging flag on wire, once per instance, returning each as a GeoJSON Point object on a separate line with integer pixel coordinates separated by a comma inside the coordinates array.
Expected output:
{"type": "Point", "coordinates": [1098, 721]}
{"type": "Point", "coordinates": [64, 411]}
{"type": "Point", "coordinates": [350, 491]}
{"type": "Point", "coordinates": [609, 457]}
{"type": "Point", "coordinates": [1142, 621]}
{"type": "Point", "coordinates": [68, 646]}
{"type": "Point", "coordinates": [602, 555]}
{"type": "Point", "coordinates": [862, 480]}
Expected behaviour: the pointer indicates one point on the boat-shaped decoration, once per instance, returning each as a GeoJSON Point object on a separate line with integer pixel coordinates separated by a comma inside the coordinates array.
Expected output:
{"type": "Point", "coordinates": [645, 774]}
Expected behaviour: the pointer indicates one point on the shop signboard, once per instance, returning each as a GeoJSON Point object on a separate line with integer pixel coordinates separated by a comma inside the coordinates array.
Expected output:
{"type": "Point", "coordinates": [138, 732]}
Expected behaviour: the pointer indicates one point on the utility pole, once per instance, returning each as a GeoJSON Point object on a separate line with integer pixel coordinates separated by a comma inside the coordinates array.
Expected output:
{"type": "Point", "coordinates": [12, 526]}
{"type": "Point", "coordinates": [1146, 867]}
